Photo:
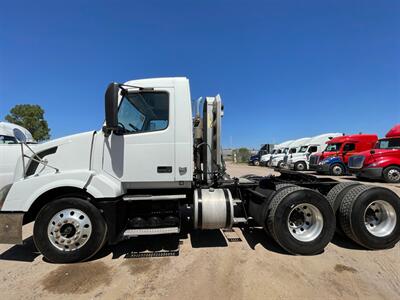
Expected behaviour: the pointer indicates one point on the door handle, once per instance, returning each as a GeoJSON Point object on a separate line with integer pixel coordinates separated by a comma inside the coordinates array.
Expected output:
{"type": "Point", "coordinates": [164, 169]}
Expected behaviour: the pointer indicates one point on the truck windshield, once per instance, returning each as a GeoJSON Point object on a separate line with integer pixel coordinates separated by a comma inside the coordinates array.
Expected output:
{"type": "Point", "coordinates": [5, 139]}
{"type": "Point", "coordinates": [333, 147]}
{"type": "Point", "coordinates": [303, 149]}
{"type": "Point", "coordinates": [388, 144]}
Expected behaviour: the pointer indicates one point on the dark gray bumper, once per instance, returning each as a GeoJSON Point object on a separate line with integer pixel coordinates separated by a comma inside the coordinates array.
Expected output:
{"type": "Point", "coordinates": [373, 173]}
{"type": "Point", "coordinates": [323, 169]}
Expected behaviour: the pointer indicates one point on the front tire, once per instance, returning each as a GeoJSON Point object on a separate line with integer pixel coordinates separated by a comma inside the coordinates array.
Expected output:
{"type": "Point", "coordinates": [337, 170]}
{"type": "Point", "coordinates": [280, 164]}
{"type": "Point", "coordinates": [256, 163]}
{"type": "Point", "coordinates": [301, 220]}
{"type": "Point", "coordinates": [69, 230]}
{"type": "Point", "coordinates": [392, 174]}
{"type": "Point", "coordinates": [300, 166]}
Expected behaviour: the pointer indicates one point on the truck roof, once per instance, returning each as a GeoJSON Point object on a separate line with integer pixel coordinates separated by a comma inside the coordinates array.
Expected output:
{"type": "Point", "coordinates": [354, 138]}
{"type": "Point", "coordinates": [7, 129]}
{"type": "Point", "coordinates": [394, 132]}
{"type": "Point", "coordinates": [323, 138]}
{"type": "Point", "coordinates": [299, 142]}
{"type": "Point", "coordinates": [284, 144]}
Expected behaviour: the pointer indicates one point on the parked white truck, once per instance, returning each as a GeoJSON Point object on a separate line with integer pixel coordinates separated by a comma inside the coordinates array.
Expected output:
{"type": "Point", "coordinates": [153, 170]}
{"type": "Point", "coordinates": [299, 161]}
{"type": "Point", "coordinates": [276, 160]}
{"type": "Point", "coordinates": [294, 148]}
{"type": "Point", "coordinates": [10, 151]}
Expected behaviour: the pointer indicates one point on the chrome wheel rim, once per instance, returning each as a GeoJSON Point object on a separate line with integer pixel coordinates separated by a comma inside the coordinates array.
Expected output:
{"type": "Point", "coordinates": [337, 170]}
{"type": "Point", "coordinates": [69, 229]}
{"type": "Point", "coordinates": [380, 218]}
{"type": "Point", "coordinates": [305, 222]}
{"type": "Point", "coordinates": [393, 175]}
{"type": "Point", "coordinates": [300, 167]}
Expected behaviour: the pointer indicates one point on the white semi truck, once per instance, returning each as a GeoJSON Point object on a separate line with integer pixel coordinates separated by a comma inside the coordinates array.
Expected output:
{"type": "Point", "coordinates": [299, 161]}
{"type": "Point", "coordinates": [294, 148]}
{"type": "Point", "coordinates": [276, 160]}
{"type": "Point", "coordinates": [153, 169]}
{"type": "Point", "coordinates": [10, 151]}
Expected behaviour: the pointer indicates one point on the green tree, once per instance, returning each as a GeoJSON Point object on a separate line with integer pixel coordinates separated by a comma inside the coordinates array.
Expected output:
{"type": "Point", "coordinates": [32, 118]}
{"type": "Point", "coordinates": [242, 154]}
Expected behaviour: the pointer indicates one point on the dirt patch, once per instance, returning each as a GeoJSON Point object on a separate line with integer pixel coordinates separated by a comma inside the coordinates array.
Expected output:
{"type": "Point", "coordinates": [343, 268]}
{"type": "Point", "coordinates": [137, 266]}
{"type": "Point", "coordinates": [77, 278]}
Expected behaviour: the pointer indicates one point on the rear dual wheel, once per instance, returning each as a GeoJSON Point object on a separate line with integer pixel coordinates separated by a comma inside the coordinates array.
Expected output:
{"type": "Point", "coordinates": [300, 220]}
{"type": "Point", "coordinates": [370, 216]}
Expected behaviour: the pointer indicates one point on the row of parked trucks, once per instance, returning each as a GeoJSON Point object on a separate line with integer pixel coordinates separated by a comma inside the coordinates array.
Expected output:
{"type": "Point", "coordinates": [154, 168]}
{"type": "Point", "coordinates": [337, 154]}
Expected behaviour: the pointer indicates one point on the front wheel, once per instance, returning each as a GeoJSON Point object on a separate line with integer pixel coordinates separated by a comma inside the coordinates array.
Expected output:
{"type": "Point", "coordinates": [300, 166]}
{"type": "Point", "coordinates": [256, 162]}
{"type": "Point", "coordinates": [337, 170]}
{"type": "Point", "coordinates": [69, 230]}
{"type": "Point", "coordinates": [392, 174]}
{"type": "Point", "coordinates": [280, 164]}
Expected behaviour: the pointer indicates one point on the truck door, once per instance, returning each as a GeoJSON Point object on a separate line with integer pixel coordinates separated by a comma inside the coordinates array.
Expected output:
{"type": "Point", "coordinates": [143, 151]}
{"type": "Point", "coordinates": [348, 150]}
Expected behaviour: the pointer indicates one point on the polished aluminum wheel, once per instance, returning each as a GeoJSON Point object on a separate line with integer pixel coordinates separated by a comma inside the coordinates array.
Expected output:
{"type": "Point", "coordinates": [337, 170]}
{"type": "Point", "coordinates": [69, 229]}
{"type": "Point", "coordinates": [380, 218]}
{"type": "Point", "coordinates": [305, 222]}
{"type": "Point", "coordinates": [393, 175]}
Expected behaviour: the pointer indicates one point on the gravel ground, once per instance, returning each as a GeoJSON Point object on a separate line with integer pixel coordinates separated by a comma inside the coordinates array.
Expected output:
{"type": "Point", "coordinates": [207, 267]}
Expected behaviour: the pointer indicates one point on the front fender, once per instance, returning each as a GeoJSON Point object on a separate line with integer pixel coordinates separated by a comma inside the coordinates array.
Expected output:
{"type": "Point", "coordinates": [25, 191]}
{"type": "Point", "coordinates": [385, 162]}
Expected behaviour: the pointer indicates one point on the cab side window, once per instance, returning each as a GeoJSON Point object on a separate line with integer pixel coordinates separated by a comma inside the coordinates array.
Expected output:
{"type": "Point", "coordinates": [312, 149]}
{"type": "Point", "coordinates": [143, 112]}
{"type": "Point", "coordinates": [349, 147]}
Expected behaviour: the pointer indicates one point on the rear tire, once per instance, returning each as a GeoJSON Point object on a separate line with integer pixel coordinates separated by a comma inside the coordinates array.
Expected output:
{"type": "Point", "coordinates": [300, 166]}
{"type": "Point", "coordinates": [301, 220]}
{"type": "Point", "coordinates": [392, 174]}
{"type": "Point", "coordinates": [337, 170]}
{"type": "Point", "coordinates": [256, 163]}
{"type": "Point", "coordinates": [370, 216]}
{"type": "Point", "coordinates": [69, 230]}
{"type": "Point", "coordinates": [280, 164]}
{"type": "Point", "coordinates": [335, 198]}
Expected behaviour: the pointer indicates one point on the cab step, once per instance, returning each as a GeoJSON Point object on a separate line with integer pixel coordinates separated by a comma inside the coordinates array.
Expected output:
{"type": "Point", "coordinates": [150, 231]}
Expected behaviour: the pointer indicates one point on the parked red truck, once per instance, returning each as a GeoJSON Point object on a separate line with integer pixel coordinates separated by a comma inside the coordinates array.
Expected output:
{"type": "Point", "coordinates": [382, 162]}
{"type": "Point", "coordinates": [342, 148]}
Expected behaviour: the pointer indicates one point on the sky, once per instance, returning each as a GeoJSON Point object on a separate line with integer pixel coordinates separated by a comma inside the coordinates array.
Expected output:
{"type": "Point", "coordinates": [284, 69]}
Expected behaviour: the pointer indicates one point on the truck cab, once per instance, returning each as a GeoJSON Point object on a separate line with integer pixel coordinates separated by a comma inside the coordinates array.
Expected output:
{"type": "Point", "coordinates": [10, 151]}
{"type": "Point", "coordinates": [276, 160]}
{"type": "Point", "coordinates": [333, 160]}
{"type": "Point", "coordinates": [381, 162]}
{"type": "Point", "coordinates": [264, 150]}
{"type": "Point", "coordinates": [300, 161]}
{"type": "Point", "coordinates": [294, 149]}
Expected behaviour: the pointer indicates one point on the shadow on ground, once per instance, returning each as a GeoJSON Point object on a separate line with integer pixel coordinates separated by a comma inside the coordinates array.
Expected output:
{"type": "Point", "coordinates": [26, 252]}
{"type": "Point", "coordinates": [156, 246]}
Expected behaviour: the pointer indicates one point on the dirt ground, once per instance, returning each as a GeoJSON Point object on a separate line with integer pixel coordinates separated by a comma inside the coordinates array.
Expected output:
{"type": "Point", "coordinates": [208, 267]}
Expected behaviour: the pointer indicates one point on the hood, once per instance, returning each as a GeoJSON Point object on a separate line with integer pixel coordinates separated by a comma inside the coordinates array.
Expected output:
{"type": "Point", "coordinates": [67, 153]}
